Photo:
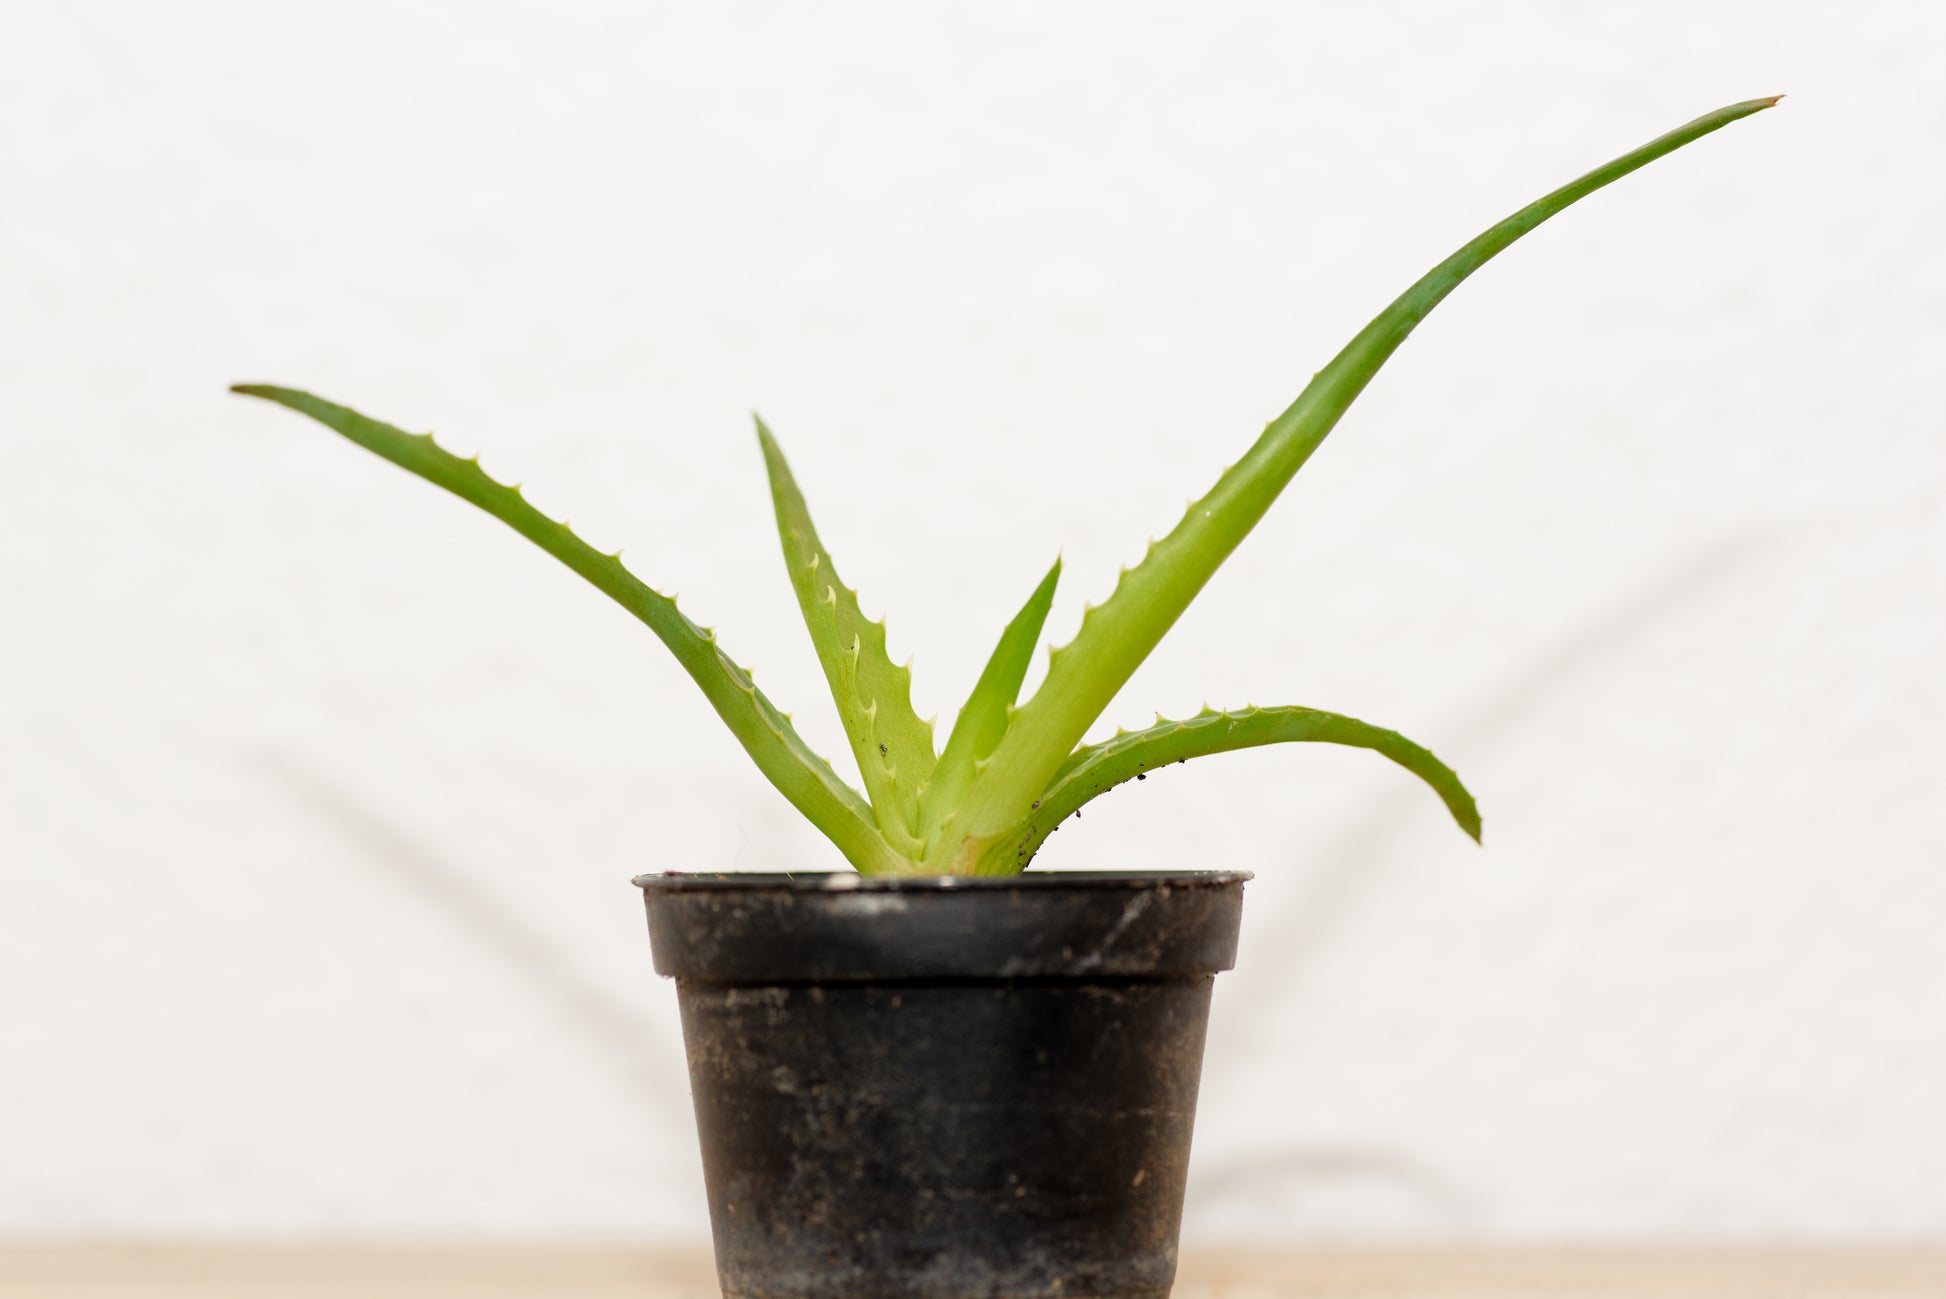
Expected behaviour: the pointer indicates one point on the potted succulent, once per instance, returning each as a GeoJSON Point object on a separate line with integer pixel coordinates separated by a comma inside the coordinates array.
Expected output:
{"type": "Point", "coordinates": [939, 1078]}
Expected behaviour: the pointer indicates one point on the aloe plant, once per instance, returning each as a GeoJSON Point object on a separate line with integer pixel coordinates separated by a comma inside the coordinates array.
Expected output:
{"type": "Point", "coordinates": [1009, 774]}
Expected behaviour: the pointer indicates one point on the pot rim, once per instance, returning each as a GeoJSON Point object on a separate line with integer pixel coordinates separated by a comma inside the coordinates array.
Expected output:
{"type": "Point", "coordinates": [816, 883]}
{"type": "Point", "coordinates": [830, 927]}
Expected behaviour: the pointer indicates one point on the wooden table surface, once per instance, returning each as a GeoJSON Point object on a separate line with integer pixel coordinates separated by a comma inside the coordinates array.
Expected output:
{"type": "Point", "coordinates": [581, 1272]}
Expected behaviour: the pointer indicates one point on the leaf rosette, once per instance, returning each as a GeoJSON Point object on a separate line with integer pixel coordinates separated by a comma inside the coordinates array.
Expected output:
{"type": "Point", "coordinates": [1010, 772]}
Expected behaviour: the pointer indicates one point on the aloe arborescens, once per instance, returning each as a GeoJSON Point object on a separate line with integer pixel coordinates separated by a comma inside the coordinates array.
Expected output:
{"type": "Point", "coordinates": [1008, 775]}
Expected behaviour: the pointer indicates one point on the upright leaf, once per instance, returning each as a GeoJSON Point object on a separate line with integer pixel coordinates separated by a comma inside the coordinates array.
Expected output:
{"type": "Point", "coordinates": [874, 697]}
{"type": "Point", "coordinates": [983, 721]}
{"type": "Point", "coordinates": [1084, 675]}
{"type": "Point", "coordinates": [765, 733]}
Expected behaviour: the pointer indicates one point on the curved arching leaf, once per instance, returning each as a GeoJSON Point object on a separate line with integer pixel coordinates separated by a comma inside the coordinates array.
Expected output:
{"type": "Point", "coordinates": [1131, 755]}
{"type": "Point", "coordinates": [766, 734]}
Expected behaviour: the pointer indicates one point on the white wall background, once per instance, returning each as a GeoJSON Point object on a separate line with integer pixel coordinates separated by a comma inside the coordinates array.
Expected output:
{"type": "Point", "coordinates": [319, 793]}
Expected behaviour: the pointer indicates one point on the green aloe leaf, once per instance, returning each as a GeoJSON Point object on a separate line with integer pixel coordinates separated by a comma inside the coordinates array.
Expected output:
{"type": "Point", "coordinates": [874, 696]}
{"type": "Point", "coordinates": [983, 721]}
{"type": "Point", "coordinates": [1098, 768]}
{"type": "Point", "coordinates": [1116, 636]}
{"type": "Point", "coordinates": [765, 733]}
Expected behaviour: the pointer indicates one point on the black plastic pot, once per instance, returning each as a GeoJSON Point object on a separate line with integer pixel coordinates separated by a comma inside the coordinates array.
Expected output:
{"type": "Point", "coordinates": [945, 1089]}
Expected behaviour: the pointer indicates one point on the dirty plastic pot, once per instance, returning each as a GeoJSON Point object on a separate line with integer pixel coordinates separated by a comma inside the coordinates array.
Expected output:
{"type": "Point", "coordinates": [945, 1088]}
